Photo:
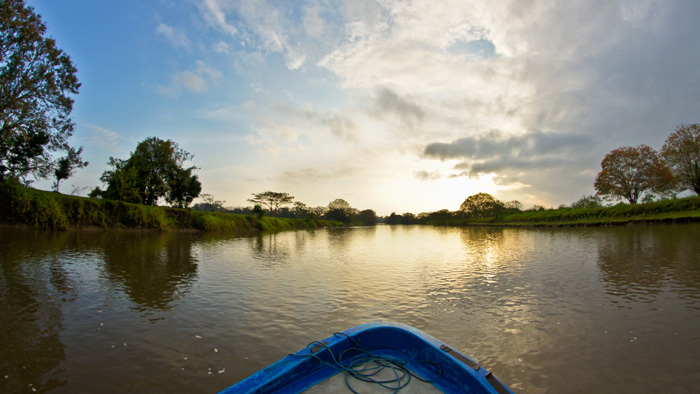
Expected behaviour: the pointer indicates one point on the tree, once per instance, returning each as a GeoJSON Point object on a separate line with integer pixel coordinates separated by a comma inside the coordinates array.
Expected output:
{"type": "Point", "coordinates": [300, 210]}
{"type": "Point", "coordinates": [258, 211]}
{"type": "Point", "coordinates": [629, 172]}
{"type": "Point", "coordinates": [681, 152]}
{"type": "Point", "coordinates": [66, 166]}
{"type": "Point", "coordinates": [481, 205]}
{"type": "Point", "coordinates": [592, 201]}
{"type": "Point", "coordinates": [154, 171]}
{"type": "Point", "coordinates": [271, 200]}
{"type": "Point", "coordinates": [36, 83]}
{"type": "Point", "coordinates": [341, 204]}
{"type": "Point", "coordinates": [340, 210]}
{"type": "Point", "coordinates": [209, 204]}
{"type": "Point", "coordinates": [367, 217]}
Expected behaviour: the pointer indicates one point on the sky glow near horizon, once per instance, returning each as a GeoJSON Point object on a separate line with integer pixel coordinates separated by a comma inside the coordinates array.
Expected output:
{"type": "Point", "coordinates": [396, 106]}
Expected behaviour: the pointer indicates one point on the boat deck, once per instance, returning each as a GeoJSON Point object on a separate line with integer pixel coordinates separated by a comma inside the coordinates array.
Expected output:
{"type": "Point", "coordinates": [338, 384]}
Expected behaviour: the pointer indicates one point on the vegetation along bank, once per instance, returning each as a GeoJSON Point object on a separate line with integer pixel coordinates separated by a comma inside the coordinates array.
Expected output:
{"type": "Point", "coordinates": [54, 211]}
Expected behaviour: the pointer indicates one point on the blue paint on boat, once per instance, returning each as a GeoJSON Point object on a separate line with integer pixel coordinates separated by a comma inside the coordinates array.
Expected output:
{"type": "Point", "coordinates": [447, 369]}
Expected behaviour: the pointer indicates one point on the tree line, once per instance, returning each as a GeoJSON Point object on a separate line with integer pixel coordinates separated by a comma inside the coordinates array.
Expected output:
{"type": "Point", "coordinates": [276, 204]}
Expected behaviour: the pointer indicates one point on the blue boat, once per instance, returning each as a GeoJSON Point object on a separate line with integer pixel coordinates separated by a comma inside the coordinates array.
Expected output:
{"type": "Point", "coordinates": [374, 358]}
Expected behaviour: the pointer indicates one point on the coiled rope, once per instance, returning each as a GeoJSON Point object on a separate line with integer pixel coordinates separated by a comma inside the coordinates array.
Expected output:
{"type": "Point", "coordinates": [366, 366]}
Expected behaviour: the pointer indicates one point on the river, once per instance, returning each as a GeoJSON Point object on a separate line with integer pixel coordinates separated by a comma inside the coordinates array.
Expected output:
{"type": "Point", "coordinates": [547, 310]}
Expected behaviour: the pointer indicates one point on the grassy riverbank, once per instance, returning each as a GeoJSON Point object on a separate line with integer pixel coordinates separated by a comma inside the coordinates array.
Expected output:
{"type": "Point", "coordinates": [680, 210]}
{"type": "Point", "coordinates": [54, 211]}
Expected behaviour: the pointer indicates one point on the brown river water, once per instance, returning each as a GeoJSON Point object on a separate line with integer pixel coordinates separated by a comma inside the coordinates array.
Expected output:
{"type": "Point", "coordinates": [565, 310]}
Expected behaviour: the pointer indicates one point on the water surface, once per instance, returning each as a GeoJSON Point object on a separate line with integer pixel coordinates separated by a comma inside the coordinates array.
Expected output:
{"type": "Point", "coordinates": [547, 310]}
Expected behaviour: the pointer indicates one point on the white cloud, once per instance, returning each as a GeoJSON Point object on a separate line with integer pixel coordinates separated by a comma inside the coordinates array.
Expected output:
{"type": "Point", "coordinates": [550, 75]}
{"type": "Point", "coordinates": [106, 139]}
{"type": "Point", "coordinates": [198, 80]}
{"type": "Point", "coordinates": [175, 37]}
{"type": "Point", "coordinates": [214, 12]}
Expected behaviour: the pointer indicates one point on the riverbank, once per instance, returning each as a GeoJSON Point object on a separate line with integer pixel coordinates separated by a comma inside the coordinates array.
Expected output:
{"type": "Point", "coordinates": [681, 210]}
{"type": "Point", "coordinates": [55, 211]}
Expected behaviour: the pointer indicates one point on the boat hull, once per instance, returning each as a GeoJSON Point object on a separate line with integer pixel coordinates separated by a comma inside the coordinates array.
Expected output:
{"type": "Point", "coordinates": [428, 361]}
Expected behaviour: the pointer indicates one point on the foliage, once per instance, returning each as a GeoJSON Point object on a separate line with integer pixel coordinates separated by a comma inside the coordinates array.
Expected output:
{"type": "Point", "coordinates": [36, 82]}
{"type": "Point", "coordinates": [209, 204]}
{"type": "Point", "coordinates": [405, 218]}
{"type": "Point", "coordinates": [629, 172]}
{"type": "Point", "coordinates": [681, 152]}
{"type": "Point", "coordinates": [366, 217]}
{"type": "Point", "coordinates": [154, 171]}
{"type": "Point", "coordinates": [53, 211]}
{"type": "Point", "coordinates": [482, 205]}
{"type": "Point", "coordinates": [592, 201]}
{"type": "Point", "coordinates": [258, 211]}
{"type": "Point", "coordinates": [341, 204]}
{"type": "Point", "coordinates": [340, 210]}
{"type": "Point", "coordinates": [271, 200]}
{"type": "Point", "coordinates": [66, 166]}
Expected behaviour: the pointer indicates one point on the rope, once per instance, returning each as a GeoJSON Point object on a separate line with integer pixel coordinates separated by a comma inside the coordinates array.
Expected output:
{"type": "Point", "coordinates": [366, 366]}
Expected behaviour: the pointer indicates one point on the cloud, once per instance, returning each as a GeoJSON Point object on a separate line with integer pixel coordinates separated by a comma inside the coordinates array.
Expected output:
{"type": "Point", "coordinates": [214, 12]}
{"type": "Point", "coordinates": [175, 37]}
{"type": "Point", "coordinates": [106, 139]}
{"type": "Point", "coordinates": [315, 175]}
{"type": "Point", "coordinates": [388, 103]}
{"type": "Point", "coordinates": [427, 175]}
{"type": "Point", "coordinates": [495, 152]}
{"type": "Point", "coordinates": [558, 83]}
{"type": "Point", "coordinates": [198, 80]}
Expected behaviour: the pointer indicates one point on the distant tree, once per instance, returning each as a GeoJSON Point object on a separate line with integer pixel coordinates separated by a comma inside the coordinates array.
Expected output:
{"type": "Point", "coordinates": [271, 200]}
{"type": "Point", "coordinates": [300, 210]}
{"type": "Point", "coordinates": [442, 216]}
{"type": "Point", "coordinates": [514, 205]}
{"type": "Point", "coordinates": [36, 83]}
{"type": "Point", "coordinates": [481, 205]}
{"type": "Point", "coordinates": [154, 171]}
{"type": "Point", "coordinates": [339, 203]}
{"type": "Point", "coordinates": [209, 204]}
{"type": "Point", "coordinates": [318, 212]}
{"type": "Point", "coordinates": [681, 152]}
{"type": "Point", "coordinates": [258, 211]}
{"type": "Point", "coordinates": [629, 172]}
{"type": "Point", "coordinates": [392, 219]}
{"type": "Point", "coordinates": [66, 166]}
{"type": "Point", "coordinates": [341, 211]}
{"type": "Point", "coordinates": [592, 201]}
{"type": "Point", "coordinates": [367, 217]}
{"type": "Point", "coordinates": [338, 215]}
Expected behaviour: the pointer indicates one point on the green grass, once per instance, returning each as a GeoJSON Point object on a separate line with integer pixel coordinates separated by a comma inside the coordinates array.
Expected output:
{"type": "Point", "coordinates": [54, 211]}
{"type": "Point", "coordinates": [677, 210]}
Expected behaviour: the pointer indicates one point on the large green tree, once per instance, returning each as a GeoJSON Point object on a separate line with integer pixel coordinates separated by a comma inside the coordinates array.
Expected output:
{"type": "Point", "coordinates": [630, 172]}
{"type": "Point", "coordinates": [681, 152]}
{"type": "Point", "coordinates": [155, 170]}
{"type": "Point", "coordinates": [37, 80]}
{"type": "Point", "coordinates": [482, 205]}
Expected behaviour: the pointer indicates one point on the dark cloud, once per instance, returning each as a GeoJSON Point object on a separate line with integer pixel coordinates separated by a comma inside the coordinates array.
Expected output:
{"type": "Point", "coordinates": [427, 175]}
{"type": "Point", "coordinates": [494, 152]}
{"type": "Point", "coordinates": [340, 126]}
{"type": "Point", "coordinates": [389, 103]}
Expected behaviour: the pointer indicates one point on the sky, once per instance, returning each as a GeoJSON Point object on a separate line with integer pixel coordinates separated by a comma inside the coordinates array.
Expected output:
{"type": "Point", "coordinates": [392, 105]}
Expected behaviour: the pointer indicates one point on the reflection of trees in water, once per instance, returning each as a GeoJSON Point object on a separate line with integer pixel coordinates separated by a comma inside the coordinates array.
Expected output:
{"type": "Point", "coordinates": [638, 263]}
{"type": "Point", "coordinates": [154, 268]}
{"type": "Point", "coordinates": [34, 284]}
{"type": "Point", "coordinates": [271, 250]}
